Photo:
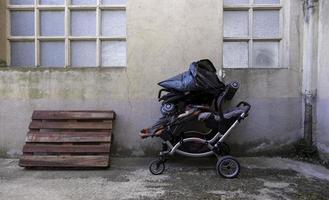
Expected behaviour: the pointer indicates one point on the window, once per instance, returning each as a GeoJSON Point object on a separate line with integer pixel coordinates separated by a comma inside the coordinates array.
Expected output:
{"type": "Point", "coordinates": [67, 33]}
{"type": "Point", "coordinates": [253, 35]}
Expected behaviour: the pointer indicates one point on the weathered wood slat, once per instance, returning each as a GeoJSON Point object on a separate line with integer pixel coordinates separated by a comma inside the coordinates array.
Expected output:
{"type": "Point", "coordinates": [68, 139]}
{"type": "Point", "coordinates": [63, 161]}
{"type": "Point", "coordinates": [70, 125]}
{"type": "Point", "coordinates": [35, 136]}
{"type": "Point", "coordinates": [105, 115]}
{"type": "Point", "coordinates": [51, 148]}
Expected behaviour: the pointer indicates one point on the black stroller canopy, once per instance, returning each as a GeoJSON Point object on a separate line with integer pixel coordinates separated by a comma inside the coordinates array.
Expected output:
{"type": "Point", "coordinates": [200, 76]}
{"type": "Point", "coordinates": [206, 65]}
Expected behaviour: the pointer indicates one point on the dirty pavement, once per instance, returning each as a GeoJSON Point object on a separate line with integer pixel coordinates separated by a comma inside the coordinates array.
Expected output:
{"type": "Point", "coordinates": [129, 178]}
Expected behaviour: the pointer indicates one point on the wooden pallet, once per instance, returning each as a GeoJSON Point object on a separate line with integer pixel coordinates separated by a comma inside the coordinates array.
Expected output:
{"type": "Point", "coordinates": [78, 139]}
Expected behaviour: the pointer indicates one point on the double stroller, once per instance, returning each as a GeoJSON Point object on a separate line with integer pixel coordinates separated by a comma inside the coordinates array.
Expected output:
{"type": "Point", "coordinates": [193, 122]}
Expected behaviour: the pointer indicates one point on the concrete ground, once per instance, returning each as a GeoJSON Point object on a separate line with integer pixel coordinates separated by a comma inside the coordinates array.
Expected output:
{"type": "Point", "coordinates": [129, 178]}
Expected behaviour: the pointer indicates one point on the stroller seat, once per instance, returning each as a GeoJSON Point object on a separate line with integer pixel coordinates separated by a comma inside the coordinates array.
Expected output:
{"type": "Point", "coordinates": [229, 114]}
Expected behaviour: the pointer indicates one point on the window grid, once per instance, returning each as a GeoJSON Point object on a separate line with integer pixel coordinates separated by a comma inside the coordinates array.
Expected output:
{"type": "Point", "coordinates": [67, 7]}
{"type": "Point", "coordinates": [250, 39]}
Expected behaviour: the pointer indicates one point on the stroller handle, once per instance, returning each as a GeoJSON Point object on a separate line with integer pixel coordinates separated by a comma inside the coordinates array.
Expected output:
{"type": "Point", "coordinates": [219, 102]}
{"type": "Point", "coordinates": [243, 103]}
{"type": "Point", "coordinates": [221, 99]}
{"type": "Point", "coordinates": [160, 91]}
{"type": "Point", "coordinates": [232, 89]}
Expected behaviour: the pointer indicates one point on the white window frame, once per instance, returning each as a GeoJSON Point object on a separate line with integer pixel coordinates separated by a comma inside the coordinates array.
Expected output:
{"type": "Point", "coordinates": [67, 8]}
{"type": "Point", "coordinates": [283, 38]}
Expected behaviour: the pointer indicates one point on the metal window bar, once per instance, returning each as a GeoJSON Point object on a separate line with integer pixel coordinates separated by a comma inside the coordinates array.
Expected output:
{"type": "Point", "coordinates": [250, 38]}
{"type": "Point", "coordinates": [67, 38]}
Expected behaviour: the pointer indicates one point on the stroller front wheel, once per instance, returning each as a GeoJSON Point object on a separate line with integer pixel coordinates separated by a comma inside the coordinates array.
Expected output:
{"type": "Point", "coordinates": [157, 167]}
{"type": "Point", "coordinates": [228, 167]}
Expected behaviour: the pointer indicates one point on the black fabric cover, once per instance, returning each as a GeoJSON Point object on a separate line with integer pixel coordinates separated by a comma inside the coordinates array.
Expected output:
{"type": "Point", "coordinates": [200, 76]}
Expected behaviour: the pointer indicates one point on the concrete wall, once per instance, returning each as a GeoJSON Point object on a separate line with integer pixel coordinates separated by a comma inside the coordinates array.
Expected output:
{"type": "Point", "coordinates": [275, 120]}
{"type": "Point", "coordinates": [322, 126]}
{"type": "Point", "coordinates": [163, 38]}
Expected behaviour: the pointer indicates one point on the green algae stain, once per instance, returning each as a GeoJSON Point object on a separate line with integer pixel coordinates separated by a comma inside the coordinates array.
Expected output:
{"type": "Point", "coordinates": [35, 93]}
{"type": "Point", "coordinates": [3, 63]}
{"type": "Point", "coordinates": [3, 153]}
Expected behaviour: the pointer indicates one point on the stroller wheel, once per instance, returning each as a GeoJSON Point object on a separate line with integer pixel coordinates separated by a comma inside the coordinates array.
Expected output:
{"type": "Point", "coordinates": [157, 167]}
{"type": "Point", "coordinates": [167, 108]}
{"type": "Point", "coordinates": [228, 167]}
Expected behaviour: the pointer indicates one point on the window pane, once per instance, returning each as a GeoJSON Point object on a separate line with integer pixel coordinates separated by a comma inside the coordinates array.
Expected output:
{"type": "Point", "coordinates": [52, 54]}
{"type": "Point", "coordinates": [229, 2]}
{"type": "Point", "coordinates": [22, 54]}
{"type": "Point", "coordinates": [83, 23]}
{"type": "Point", "coordinates": [52, 23]}
{"type": "Point", "coordinates": [21, 2]}
{"type": "Point", "coordinates": [116, 2]}
{"type": "Point", "coordinates": [83, 2]}
{"type": "Point", "coordinates": [267, 1]}
{"type": "Point", "coordinates": [22, 23]}
{"type": "Point", "coordinates": [114, 23]}
{"type": "Point", "coordinates": [266, 54]}
{"type": "Point", "coordinates": [236, 23]}
{"type": "Point", "coordinates": [114, 53]}
{"type": "Point", "coordinates": [266, 23]}
{"type": "Point", "coordinates": [235, 54]}
{"type": "Point", "coordinates": [52, 2]}
{"type": "Point", "coordinates": [83, 53]}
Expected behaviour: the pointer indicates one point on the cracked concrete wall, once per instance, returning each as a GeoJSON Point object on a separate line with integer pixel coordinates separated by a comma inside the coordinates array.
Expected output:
{"type": "Point", "coordinates": [275, 121]}
{"type": "Point", "coordinates": [322, 115]}
{"type": "Point", "coordinates": [163, 38]}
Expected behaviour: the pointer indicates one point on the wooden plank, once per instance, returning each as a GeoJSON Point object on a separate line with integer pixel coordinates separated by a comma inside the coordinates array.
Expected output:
{"type": "Point", "coordinates": [35, 136]}
{"type": "Point", "coordinates": [44, 114]}
{"type": "Point", "coordinates": [64, 161]}
{"type": "Point", "coordinates": [51, 148]}
{"type": "Point", "coordinates": [70, 125]}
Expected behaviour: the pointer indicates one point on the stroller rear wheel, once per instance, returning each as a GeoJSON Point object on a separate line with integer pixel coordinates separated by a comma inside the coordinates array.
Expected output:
{"type": "Point", "coordinates": [157, 167]}
{"type": "Point", "coordinates": [228, 167]}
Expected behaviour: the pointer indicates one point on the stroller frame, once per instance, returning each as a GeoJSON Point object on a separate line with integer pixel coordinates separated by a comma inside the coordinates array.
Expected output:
{"type": "Point", "coordinates": [212, 148]}
{"type": "Point", "coordinates": [227, 166]}
{"type": "Point", "coordinates": [199, 93]}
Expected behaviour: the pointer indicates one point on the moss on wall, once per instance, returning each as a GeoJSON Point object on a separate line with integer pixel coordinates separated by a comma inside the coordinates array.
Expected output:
{"type": "Point", "coordinates": [3, 63]}
{"type": "Point", "coordinates": [35, 93]}
{"type": "Point", "coordinates": [3, 153]}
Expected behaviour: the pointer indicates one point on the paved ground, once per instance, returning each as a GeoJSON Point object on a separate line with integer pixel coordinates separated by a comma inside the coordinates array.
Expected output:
{"type": "Point", "coordinates": [128, 178]}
